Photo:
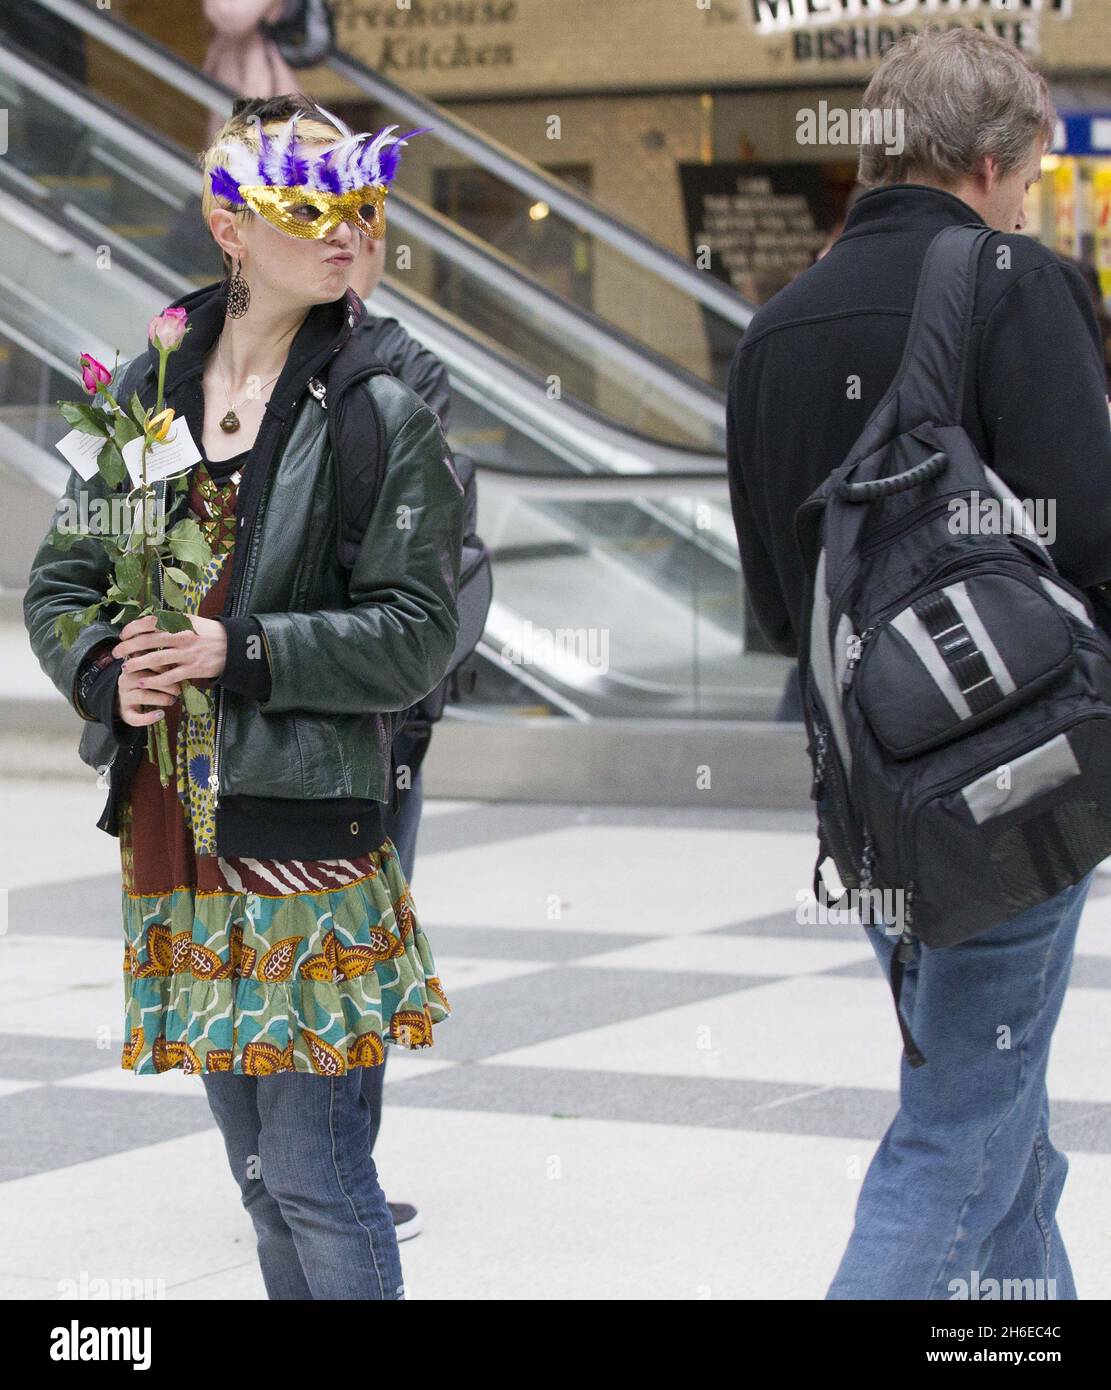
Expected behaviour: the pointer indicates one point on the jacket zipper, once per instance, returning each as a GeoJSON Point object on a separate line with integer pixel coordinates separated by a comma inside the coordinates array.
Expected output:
{"type": "Point", "coordinates": [104, 777]}
{"type": "Point", "coordinates": [237, 606]}
{"type": "Point", "coordinates": [248, 573]}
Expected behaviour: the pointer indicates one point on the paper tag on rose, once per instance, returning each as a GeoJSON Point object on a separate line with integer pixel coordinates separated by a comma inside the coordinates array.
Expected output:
{"type": "Point", "coordinates": [80, 450]}
{"type": "Point", "coordinates": [172, 456]}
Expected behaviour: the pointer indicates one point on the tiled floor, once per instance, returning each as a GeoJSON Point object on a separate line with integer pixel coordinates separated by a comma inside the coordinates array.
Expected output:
{"type": "Point", "coordinates": [656, 1082]}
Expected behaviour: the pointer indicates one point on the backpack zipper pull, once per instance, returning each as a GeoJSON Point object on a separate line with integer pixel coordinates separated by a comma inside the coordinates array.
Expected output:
{"type": "Point", "coordinates": [906, 940]}
{"type": "Point", "coordinates": [867, 861]}
{"type": "Point", "coordinates": [855, 643]}
{"type": "Point", "coordinates": [819, 763]}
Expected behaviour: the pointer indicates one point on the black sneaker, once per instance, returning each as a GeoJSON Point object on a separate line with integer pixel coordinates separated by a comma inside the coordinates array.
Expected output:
{"type": "Point", "coordinates": [407, 1220]}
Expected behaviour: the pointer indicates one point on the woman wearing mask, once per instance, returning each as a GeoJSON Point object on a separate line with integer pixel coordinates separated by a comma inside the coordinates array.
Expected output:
{"type": "Point", "coordinates": [271, 943]}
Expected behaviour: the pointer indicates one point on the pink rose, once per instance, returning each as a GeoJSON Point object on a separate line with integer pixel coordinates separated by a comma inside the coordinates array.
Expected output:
{"type": "Point", "coordinates": [93, 373]}
{"type": "Point", "coordinates": [168, 328]}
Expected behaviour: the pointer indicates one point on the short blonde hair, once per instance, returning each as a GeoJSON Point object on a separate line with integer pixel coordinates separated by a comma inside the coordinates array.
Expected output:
{"type": "Point", "coordinates": [964, 94]}
{"type": "Point", "coordinates": [273, 112]}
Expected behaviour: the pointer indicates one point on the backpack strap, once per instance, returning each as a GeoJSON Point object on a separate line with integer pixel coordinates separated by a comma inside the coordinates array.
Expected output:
{"type": "Point", "coordinates": [353, 419]}
{"type": "Point", "coordinates": [900, 956]}
{"type": "Point", "coordinates": [928, 386]}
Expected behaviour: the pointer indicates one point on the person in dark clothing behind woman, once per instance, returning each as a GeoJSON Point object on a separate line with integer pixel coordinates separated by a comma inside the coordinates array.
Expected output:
{"type": "Point", "coordinates": [965, 1182]}
{"type": "Point", "coordinates": [423, 372]}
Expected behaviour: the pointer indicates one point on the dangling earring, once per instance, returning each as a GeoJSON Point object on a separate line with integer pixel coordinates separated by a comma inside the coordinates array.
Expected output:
{"type": "Point", "coordinates": [239, 294]}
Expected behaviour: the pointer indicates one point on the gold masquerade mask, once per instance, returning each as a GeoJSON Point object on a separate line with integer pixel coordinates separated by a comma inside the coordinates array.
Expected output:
{"type": "Point", "coordinates": [308, 212]}
{"type": "Point", "coordinates": [304, 189]}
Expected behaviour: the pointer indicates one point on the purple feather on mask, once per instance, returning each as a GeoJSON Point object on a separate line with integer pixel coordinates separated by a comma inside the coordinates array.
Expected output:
{"type": "Point", "coordinates": [388, 161]}
{"type": "Point", "coordinates": [224, 186]}
{"type": "Point", "coordinates": [295, 170]}
{"type": "Point", "coordinates": [291, 167]}
{"type": "Point", "coordinates": [390, 157]}
{"type": "Point", "coordinates": [327, 179]}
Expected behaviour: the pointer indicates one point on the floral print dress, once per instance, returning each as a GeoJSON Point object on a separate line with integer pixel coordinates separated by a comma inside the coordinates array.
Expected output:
{"type": "Point", "coordinates": [255, 965]}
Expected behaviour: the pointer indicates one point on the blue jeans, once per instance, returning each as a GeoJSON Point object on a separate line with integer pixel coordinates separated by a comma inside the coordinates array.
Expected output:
{"type": "Point", "coordinates": [401, 827]}
{"type": "Point", "coordinates": [965, 1183]}
{"type": "Point", "coordinates": [299, 1147]}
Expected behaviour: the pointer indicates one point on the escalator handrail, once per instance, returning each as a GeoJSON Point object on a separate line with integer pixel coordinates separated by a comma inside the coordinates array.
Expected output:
{"type": "Point", "coordinates": [566, 428]}
{"type": "Point", "coordinates": [699, 397]}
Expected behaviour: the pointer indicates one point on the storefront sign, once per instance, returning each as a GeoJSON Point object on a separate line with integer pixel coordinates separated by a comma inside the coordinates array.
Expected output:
{"type": "Point", "coordinates": [431, 36]}
{"type": "Point", "coordinates": [854, 31]}
{"type": "Point", "coordinates": [524, 47]}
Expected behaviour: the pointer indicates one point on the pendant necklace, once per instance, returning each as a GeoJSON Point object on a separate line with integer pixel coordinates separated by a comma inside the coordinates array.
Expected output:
{"type": "Point", "coordinates": [229, 422]}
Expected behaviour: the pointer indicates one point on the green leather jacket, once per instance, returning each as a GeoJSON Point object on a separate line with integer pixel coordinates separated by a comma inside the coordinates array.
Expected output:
{"type": "Point", "coordinates": [346, 650]}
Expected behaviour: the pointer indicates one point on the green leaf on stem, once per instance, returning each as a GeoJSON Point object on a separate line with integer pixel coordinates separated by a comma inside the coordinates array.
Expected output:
{"type": "Point", "coordinates": [187, 543]}
{"type": "Point", "coordinates": [111, 465]}
{"type": "Point", "coordinates": [129, 574]}
{"type": "Point", "coordinates": [177, 575]}
{"type": "Point", "coordinates": [66, 628]}
{"type": "Point", "coordinates": [84, 417]}
{"type": "Point", "coordinates": [126, 430]}
{"type": "Point", "coordinates": [172, 592]}
{"type": "Point", "coordinates": [194, 700]}
{"type": "Point", "coordinates": [138, 411]}
{"type": "Point", "coordinates": [169, 621]}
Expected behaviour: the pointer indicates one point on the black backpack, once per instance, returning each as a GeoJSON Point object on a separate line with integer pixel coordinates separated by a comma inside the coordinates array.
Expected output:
{"type": "Point", "coordinates": [359, 483]}
{"type": "Point", "coordinates": [956, 690]}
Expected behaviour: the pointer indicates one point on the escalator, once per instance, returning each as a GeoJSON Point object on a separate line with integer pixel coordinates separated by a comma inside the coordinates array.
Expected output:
{"type": "Point", "coordinates": [617, 581]}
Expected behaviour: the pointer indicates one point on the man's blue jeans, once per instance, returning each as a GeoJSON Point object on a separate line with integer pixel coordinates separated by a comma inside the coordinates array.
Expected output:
{"type": "Point", "coordinates": [965, 1183]}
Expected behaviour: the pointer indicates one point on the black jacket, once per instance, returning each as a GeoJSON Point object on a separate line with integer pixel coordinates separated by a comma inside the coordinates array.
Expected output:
{"type": "Point", "coordinates": [423, 372]}
{"type": "Point", "coordinates": [306, 766]}
{"type": "Point", "coordinates": [417, 366]}
{"type": "Point", "coordinates": [1035, 402]}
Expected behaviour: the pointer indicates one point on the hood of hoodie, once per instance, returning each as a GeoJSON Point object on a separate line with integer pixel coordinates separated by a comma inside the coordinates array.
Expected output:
{"type": "Point", "coordinates": [325, 329]}
{"type": "Point", "coordinates": [323, 332]}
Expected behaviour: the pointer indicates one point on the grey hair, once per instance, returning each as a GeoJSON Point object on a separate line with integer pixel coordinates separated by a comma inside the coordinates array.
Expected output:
{"type": "Point", "coordinates": [964, 94]}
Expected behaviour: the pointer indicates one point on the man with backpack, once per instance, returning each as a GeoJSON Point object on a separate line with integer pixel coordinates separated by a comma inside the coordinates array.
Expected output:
{"type": "Point", "coordinates": [823, 411]}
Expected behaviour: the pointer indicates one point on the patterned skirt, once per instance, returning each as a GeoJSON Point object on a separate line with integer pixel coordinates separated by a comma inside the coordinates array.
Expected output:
{"type": "Point", "coordinates": [256, 965]}
{"type": "Point", "coordinates": [273, 965]}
